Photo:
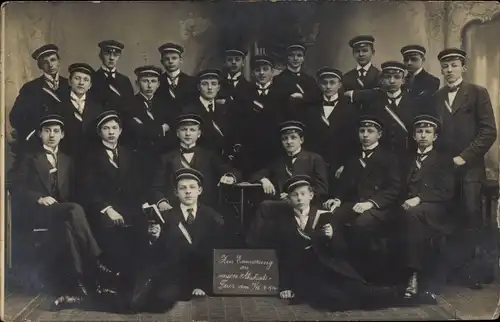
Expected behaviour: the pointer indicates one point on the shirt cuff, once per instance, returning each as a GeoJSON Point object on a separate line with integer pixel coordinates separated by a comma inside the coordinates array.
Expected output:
{"type": "Point", "coordinates": [374, 203]}
{"type": "Point", "coordinates": [106, 209]}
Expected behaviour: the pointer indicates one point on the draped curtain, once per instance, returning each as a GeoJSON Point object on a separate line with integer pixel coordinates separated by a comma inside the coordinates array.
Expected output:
{"type": "Point", "coordinates": [484, 69]}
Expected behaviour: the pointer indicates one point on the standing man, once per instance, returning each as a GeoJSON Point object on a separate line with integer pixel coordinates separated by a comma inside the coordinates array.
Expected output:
{"type": "Point", "coordinates": [175, 85]}
{"type": "Point", "coordinates": [110, 88]}
{"type": "Point", "coordinates": [420, 83]}
{"type": "Point", "coordinates": [38, 96]}
{"type": "Point", "coordinates": [468, 133]}
{"type": "Point", "coordinates": [365, 75]}
{"type": "Point", "coordinates": [233, 84]}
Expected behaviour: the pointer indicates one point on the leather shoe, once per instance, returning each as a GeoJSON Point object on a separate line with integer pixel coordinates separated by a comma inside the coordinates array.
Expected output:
{"type": "Point", "coordinates": [106, 270]}
{"type": "Point", "coordinates": [412, 288]}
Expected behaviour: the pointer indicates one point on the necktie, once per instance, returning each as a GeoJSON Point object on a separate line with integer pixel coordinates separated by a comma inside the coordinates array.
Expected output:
{"type": "Point", "coordinates": [361, 72]}
{"type": "Point", "coordinates": [330, 103]}
{"type": "Point", "coordinates": [366, 154]}
{"type": "Point", "coordinates": [53, 162]}
{"type": "Point", "coordinates": [190, 217]}
{"type": "Point", "coordinates": [115, 155]}
{"type": "Point", "coordinates": [393, 100]}
{"type": "Point", "coordinates": [211, 107]}
{"type": "Point", "coordinates": [52, 83]}
{"type": "Point", "coordinates": [420, 158]}
{"type": "Point", "coordinates": [263, 91]}
{"type": "Point", "coordinates": [149, 103]}
{"type": "Point", "coordinates": [80, 103]}
{"type": "Point", "coordinates": [233, 80]}
{"type": "Point", "coordinates": [54, 190]}
{"type": "Point", "coordinates": [173, 82]}
{"type": "Point", "coordinates": [289, 164]}
{"type": "Point", "coordinates": [453, 89]}
{"type": "Point", "coordinates": [109, 74]}
{"type": "Point", "coordinates": [187, 150]}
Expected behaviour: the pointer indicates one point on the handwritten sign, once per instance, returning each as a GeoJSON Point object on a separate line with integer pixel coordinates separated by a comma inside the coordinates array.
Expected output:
{"type": "Point", "coordinates": [245, 272]}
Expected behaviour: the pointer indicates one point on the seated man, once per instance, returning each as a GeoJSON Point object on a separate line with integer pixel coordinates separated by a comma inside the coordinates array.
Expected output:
{"type": "Point", "coordinates": [113, 196]}
{"type": "Point", "coordinates": [296, 161]}
{"type": "Point", "coordinates": [368, 189]}
{"type": "Point", "coordinates": [181, 251]}
{"type": "Point", "coordinates": [215, 171]}
{"type": "Point", "coordinates": [311, 260]}
{"type": "Point", "coordinates": [47, 186]}
{"type": "Point", "coordinates": [428, 188]}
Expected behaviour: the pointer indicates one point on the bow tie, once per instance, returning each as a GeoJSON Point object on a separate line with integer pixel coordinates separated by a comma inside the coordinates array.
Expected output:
{"type": "Point", "coordinates": [330, 103]}
{"type": "Point", "coordinates": [295, 74]}
{"type": "Point", "coordinates": [187, 150]}
{"type": "Point", "coordinates": [263, 91]}
{"type": "Point", "coordinates": [361, 72]}
{"type": "Point", "coordinates": [109, 74]}
{"type": "Point", "coordinates": [452, 89]}
{"type": "Point", "coordinates": [365, 154]}
{"type": "Point", "coordinates": [422, 155]}
{"type": "Point", "coordinates": [149, 103]}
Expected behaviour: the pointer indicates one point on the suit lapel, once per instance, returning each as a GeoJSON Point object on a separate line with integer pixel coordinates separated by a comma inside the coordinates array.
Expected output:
{"type": "Point", "coordinates": [62, 170]}
{"type": "Point", "coordinates": [370, 164]}
{"type": "Point", "coordinates": [426, 165]}
{"type": "Point", "coordinates": [43, 166]}
{"type": "Point", "coordinates": [460, 98]}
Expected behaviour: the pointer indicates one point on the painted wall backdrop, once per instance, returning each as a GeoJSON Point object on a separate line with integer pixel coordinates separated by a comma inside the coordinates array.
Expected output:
{"type": "Point", "coordinates": [203, 28]}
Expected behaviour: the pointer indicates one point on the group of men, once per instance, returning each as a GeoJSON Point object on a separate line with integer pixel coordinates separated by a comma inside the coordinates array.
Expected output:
{"type": "Point", "coordinates": [131, 181]}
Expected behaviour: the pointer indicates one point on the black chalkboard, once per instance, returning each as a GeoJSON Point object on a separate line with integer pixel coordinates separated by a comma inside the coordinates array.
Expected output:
{"type": "Point", "coordinates": [245, 272]}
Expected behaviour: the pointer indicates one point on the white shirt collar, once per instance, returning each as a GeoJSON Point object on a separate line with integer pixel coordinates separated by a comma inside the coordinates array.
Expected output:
{"type": "Point", "coordinates": [366, 67]}
{"type": "Point", "coordinates": [371, 147]}
{"type": "Point", "coordinates": [55, 78]}
{"type": "Point", "coordinates": [418, 71]}
{"type": "Point", "coordinates": [265, 86]}
{"type": "Point", "coordinates": [148, 99]}
{"type": "Point", "coordinates": [174, 74]}
{"type": "Point", "coordinates": [303, 213]}
{"type": "Point", "coordinates": [233, 77]}
{"type": "Point", "coordinates": [332, 98]}
{"type": "Point", "coordinates": [427, 150]}
{"type": "Point", "coordinates": [205, 102]}
{"type": "Point", "coordinates": [184, 209]}
{"type": "Point", "coordinates": [394, 95]}
{"type": "Point", "coordinates": [109, 145]}
{"type": "Point", "coordinates": [296, 152]}
{"type": "Point", "coordinates": [55, 150]}
{"type": "Point", "coordinates": [293, 71]}
{"type": "Point", "coordinates": [73, 96]}
{"type": "Point", "coordinates": [188, 147]}
{"type": "Point", "coordinates": [458, 82]}
{"type": "Point", "coordinates": [104, 68]}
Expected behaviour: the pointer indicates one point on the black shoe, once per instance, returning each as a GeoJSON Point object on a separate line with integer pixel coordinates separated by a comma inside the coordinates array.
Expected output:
{"type": "Point", "coordinates": [103, 269]}
{"type": "Point", "coordinates": [67, 301]}
{"type": "Point", "coordinates": [412, 288]}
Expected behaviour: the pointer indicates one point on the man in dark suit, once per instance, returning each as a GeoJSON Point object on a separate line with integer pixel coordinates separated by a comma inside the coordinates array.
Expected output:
{"type": "Point", "coordinates": [110, 88]}
{"type": "Point", "coordinates": [113, 193]}
{"type": "Point", "coordinates": [394, 106]}
{"type": "Point", "coordinates": [266, 107]}
{"type": "Point", "coordinates": [47, 187]}
{"type": "Point", "coordinates": [180, 261]}
{"type": "Point", "coordinates": [420, 83]}
{"type": "Point", "coordinates": [303, 87]}
{"type": "Point", "coordinates": [218, 126]}
{"type": "Point", "coordinates": [79, 111]}
{"type": "Point", "coordinates": [214, 170]}
{"type": "Point", "coordinates": [367, 192]}
{"type": "Point", "coordinates": [312, 262]}
{"type": "Point", "coordinates": [332, 129]}
{"type": "Point", "coordinates": [234, 86]}
{"type": "Point", "coordinates": [149, 124]}
{"type": "Point", "coordinates": [176, 86]}
{"type": "Point", "coordinates": [365, 75]}
{"type": "Point", "coordinates": [296, 161]}
{"type": "Point", "coordinates": [427, 191]}
{"type": "Point", "coordinates": [37, 97]}
{"type": "Point", "coordinates": [469, 131]}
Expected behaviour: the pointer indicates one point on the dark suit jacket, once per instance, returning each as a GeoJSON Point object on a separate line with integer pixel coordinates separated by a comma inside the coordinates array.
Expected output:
{"type": "Point", "coordinates": [78, 134]}
{"type": "Point", "coordinates": [172, 250]}
{"type": "Point", "coordinates": [370, 81]}
{"type": "Point", "coordinates": [300, 256]}
{"type": "Point", "coordinates": [231, 93]}
{"type": "Point", "coordinates": [32, 102]}
{"type": "Point", "coordinates": [379, 182]}
{"type": "Point", "coordinates": [185, 90]}
{"type": "Point", "coordinates": [105, 96]}
{"type": "Point", "coordinates": [307, 163]}
{"type": "Point", "coordinates": [336, 141]}
{"type": "Point", "coordinates": [34, 180]}
{"type": "Point", "coordinates": [205, 161]}
{"type": "Point", "coordinates": [105, 185]}
{"type": "Point", "coordinates": [308, 84]}
{"type": "Point", "coordinates": [470, 129]}
{"type": "Point", "coordinates": [423, 86]}
{"type": "Point", "coordinates": [394, 137]}
{"type": "Point", "coordinates": [210, 137]}
{"type": "Point", "coordinates": [145, 134]}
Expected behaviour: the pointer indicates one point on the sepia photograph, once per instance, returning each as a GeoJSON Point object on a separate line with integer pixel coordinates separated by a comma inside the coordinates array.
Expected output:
{"type": "Point", "coordinates": [249, 160]}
